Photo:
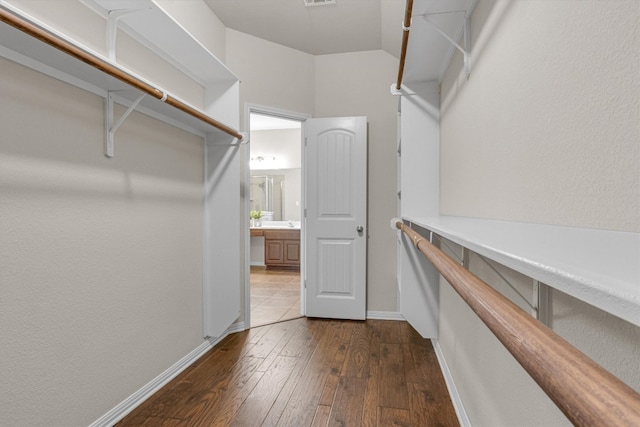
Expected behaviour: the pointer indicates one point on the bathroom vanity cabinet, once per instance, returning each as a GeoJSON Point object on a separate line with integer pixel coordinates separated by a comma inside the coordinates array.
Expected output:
{"type": "Point", "coordinates": [282, 248]}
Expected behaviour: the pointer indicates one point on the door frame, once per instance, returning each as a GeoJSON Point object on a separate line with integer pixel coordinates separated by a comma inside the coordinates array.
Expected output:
{"type": "Point", "coordinates": [282, 114]}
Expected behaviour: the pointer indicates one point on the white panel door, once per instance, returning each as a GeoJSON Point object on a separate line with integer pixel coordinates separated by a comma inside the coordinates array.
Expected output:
{"type": "Point", "coordinates": [336, 214]}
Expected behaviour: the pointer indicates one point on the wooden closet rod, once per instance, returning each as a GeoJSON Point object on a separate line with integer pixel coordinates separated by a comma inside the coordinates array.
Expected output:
{"type": "Point", "coordinates": [108, 68]}
{"type": "Point", "coordinates": [583, 390]}
{"type": "Point", "coordinates": [405, 41]}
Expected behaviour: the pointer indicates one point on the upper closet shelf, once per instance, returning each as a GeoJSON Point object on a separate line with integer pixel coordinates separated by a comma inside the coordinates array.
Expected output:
{"type": "Point", "coordinates": [599, 267]}
{"type": "Point", "coordinates": [22, 39]}
{"type": "Point", "coordinates": [436, 31]}
{"type": "Point", "coordinates": [148, 23]}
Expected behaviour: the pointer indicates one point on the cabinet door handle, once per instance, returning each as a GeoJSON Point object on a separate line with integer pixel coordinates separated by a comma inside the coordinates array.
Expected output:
{"type": "Point", "coordinates": [359, 229]}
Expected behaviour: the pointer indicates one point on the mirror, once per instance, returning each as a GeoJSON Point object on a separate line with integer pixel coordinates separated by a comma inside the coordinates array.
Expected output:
{"type": "Point", "coordinates": [267, 195]}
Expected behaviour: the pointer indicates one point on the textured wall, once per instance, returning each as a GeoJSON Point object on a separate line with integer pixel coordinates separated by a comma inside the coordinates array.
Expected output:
{"type": "Point", "coordinates": [270, 74]}
{"type": "Point", "coordinates": [546, 129]}
{"type": "Point", "coordinates": [100, 260]}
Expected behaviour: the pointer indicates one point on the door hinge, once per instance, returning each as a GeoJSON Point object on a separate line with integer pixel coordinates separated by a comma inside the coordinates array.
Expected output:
{"type": "Point", "coordinates": [305, 141]}
{"type": "Point", "coordinates": [305, 283]}
{"type": "Point", "coordinates": [305, 212]}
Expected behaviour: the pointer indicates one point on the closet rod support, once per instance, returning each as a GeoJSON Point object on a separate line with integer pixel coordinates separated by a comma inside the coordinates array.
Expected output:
{"type": "Point", "coordinates": [110, 127]}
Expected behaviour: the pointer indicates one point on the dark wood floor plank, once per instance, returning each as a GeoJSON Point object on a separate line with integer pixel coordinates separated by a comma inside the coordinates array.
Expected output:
{"type": "Point", "coordinates": [342, 335]}
{"type": "Point", "coordinates": [390, 332]}
{"type": "Point", "coordinates": [255, 408]}
{"type": "Point", "coordinates": [393, 417]}
{"type": "Point", "coordinates": [227, 391]}
{"type": "Point", "coordinates": [301, 407]}
{"type": "Point", "coordinates": [317, 328]}
{"type": "Point", "coordinates": [321, 417]}
{"type": "Point", "coordinates": [347, 407]}
{"type": "Point", "coordinates": [299, 343]}
{"type": "Point", "coordinates": [285, 342]}
{"type": "Point", "coordinates": [308, 372]}
{"type": "Point", "coordinates": [370, 409]}
{"type": "Point", "coordinates": [392, 388]}
{"type": "Point", "coordinates": [357, 360]}
{"type": "Point", "coordinates": [225, 411]}
{"type": "Point", "coordinates": [269, 341]}
{"type": "Point", "coordinates": [429, 409]}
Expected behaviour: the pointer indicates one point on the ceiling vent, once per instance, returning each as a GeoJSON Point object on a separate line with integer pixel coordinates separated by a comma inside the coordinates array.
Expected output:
{"type": "Point", "coordinates": [319, 2]}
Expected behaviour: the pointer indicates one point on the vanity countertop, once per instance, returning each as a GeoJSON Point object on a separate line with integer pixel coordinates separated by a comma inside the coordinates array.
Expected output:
{"type": "Point", "coordinates": [274, 225]}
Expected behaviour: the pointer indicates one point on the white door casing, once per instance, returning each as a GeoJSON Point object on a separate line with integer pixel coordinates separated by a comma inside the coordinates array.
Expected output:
{"type": "Point", "coordinates": [336, 213]}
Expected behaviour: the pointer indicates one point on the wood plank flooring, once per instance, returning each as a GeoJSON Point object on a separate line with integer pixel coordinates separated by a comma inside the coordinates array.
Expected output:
{"type": "Point", "coordinates": [308, 372]}
{"type": "Point", "coordinates": [275, 295]}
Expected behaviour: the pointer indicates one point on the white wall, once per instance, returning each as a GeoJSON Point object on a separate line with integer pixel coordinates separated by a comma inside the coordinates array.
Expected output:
{"type": "Point", "coordinates": [270, 74]}
{"type": "Point", "coordinates": [352, 84]}
{"type": "Point", "coordinates": [197, 18]}
{"type": "Point", "coordinates": [546, 130]}
{"type": "Point", "coordinates": [357, 84]}
{"type": "Point", "coordinates": [100, 259]}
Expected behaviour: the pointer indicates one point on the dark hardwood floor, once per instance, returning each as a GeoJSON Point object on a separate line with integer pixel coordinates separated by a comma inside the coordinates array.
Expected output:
{"type": "Point", "coordinates": [308, 372]}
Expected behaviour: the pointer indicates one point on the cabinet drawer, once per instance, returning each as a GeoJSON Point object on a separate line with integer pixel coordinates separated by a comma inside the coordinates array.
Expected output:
{"type": "Point", "coordinates": [282, 234]}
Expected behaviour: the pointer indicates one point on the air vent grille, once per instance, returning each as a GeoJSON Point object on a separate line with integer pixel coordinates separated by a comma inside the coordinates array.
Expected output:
{"type": "Point", "coordinates": [319, 2]}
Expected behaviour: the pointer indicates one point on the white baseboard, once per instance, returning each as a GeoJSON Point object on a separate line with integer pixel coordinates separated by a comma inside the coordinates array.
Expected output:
{"type": "Point", "coordinates": [463, 419]}
{"type": "Point", "coordinates": [236, 327]}
{"type": "Point", "coordinates": [136, 399]}
{"type": "Point", "coordinates": [384, 315]}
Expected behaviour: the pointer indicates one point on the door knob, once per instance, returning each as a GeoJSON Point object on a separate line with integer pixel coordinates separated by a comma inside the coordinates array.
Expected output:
{"type": "Point", "coordinates": [359, 229]}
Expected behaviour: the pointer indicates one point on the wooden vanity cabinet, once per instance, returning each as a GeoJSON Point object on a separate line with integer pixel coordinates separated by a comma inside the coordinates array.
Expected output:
{"type": "Point", "coordinates": [282, 249]}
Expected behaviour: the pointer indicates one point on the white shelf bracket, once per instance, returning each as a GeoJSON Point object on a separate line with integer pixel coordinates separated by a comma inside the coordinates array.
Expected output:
{"type": "Point", "coordinates": [466, 49]}
{"type": "Point", "coordinates": [110, 127]}
{"type": "Point", "coordinates": [113, 17]}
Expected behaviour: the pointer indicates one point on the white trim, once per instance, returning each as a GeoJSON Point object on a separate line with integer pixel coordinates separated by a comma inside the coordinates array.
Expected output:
{"type": "Point", "coordinates": [385, 315]}
{"type": "Point", "coordinates": [236, 327]}
{"type": "Point", "coordinates": [284, 114]}
{"type": "Point", "coordinates": [463, 419]}
{"type": "Point", "coordinates": [136, 399]}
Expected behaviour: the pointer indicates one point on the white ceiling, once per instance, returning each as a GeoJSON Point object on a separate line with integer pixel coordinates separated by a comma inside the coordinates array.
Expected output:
{"type": "Point", "coordinates": [347, 26]}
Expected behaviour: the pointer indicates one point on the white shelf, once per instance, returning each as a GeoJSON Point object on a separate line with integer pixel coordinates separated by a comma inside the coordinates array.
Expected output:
{"type": "Point", "coordinates": [160, 32]}
{"type": "Point", "coordinates": [20, 47]}
{"type": "Point", "coordinates": [599, 267]}
{"type": "Point", "coordinates": [429, 52]}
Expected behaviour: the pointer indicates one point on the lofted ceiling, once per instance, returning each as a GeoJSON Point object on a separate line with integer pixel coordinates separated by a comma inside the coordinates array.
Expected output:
{"type": "Point", "coordinates": [346, 26]}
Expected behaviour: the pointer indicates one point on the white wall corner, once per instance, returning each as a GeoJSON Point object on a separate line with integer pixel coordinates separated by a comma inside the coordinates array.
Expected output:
{"type": "Point", "coordinates": [136, 399]}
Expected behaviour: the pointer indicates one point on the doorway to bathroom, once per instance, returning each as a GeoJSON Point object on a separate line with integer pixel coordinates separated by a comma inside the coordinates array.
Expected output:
{"type": "Point", "coordinates": [276, 261]}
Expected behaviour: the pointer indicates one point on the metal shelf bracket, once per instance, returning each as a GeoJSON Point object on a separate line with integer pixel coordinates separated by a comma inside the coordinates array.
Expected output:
{"type": "Point", "coordinates": [110, 127]}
